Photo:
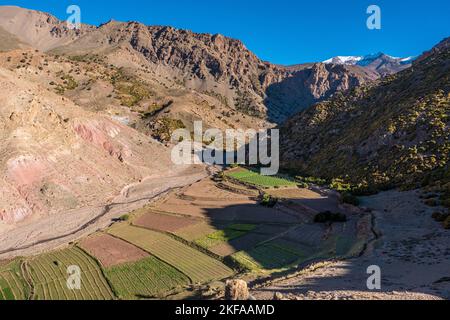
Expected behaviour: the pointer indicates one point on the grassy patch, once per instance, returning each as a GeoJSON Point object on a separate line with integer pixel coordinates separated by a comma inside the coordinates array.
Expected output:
{"type": "Point", "coordinates": [254, 178]}
{"type": "Point", "coordinates": [226, 235]}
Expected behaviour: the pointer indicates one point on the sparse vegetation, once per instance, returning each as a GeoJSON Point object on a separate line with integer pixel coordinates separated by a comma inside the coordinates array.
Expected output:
{"type": "Point", "coordinates": [268, 201]}
{"type": "Point", "coordinates": [164, 128]}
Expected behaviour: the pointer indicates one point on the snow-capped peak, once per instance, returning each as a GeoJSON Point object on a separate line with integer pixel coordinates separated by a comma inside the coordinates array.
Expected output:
{"type": "Point", "coordinates": [352, 60]}
{"type": "Point", "coordinates": [367, 59]}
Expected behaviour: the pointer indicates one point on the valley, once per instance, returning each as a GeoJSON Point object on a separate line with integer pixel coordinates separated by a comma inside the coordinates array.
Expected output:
{"type": "Point", "coordinates": [88, 177]}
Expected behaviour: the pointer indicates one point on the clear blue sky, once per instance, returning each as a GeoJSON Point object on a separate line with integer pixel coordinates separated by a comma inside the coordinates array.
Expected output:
{"type": "Point", "coordinates": [281, 31]}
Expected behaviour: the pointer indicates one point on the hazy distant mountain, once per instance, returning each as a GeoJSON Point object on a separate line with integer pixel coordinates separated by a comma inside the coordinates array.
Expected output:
{"type": "Point", "coordinates": [381, 63]}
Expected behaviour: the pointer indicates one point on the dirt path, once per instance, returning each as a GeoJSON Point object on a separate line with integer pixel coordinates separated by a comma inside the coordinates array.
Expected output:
{"type": "Point", "coordinates": [411, 250]}
{"type": "Point", "coordinates": [58, 230]}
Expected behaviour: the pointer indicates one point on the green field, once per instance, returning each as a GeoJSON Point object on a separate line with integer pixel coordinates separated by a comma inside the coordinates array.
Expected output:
{"type": "Point", "coordinates": [268, 256]}
{"type": "Point", "coordinates": [254, 178]}
{"type": "Point", "coordinates": [199, 267]}
{"type": "Point", "coordinates": [226, 235]}
{"type": "Point", "coordinates": [147, 278]}
{"type": "Point", "coordinates": [49, 276]}
{"type": "Point", "coordinates": [12, 284]}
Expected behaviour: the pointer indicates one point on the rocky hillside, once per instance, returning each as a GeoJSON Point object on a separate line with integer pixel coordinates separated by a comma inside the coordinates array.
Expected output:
{"type": "Point", "coordinates": [391, 133]}
{"type": "Point", "coordinates": [38, 29]}
{"type": "Point", "coordinates": [56, 155]}
{"type": "Point", "coordinates": [212, 65]}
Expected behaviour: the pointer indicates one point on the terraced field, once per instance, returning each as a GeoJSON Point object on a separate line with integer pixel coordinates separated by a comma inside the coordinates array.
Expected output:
{"type": "Point", "coordinates": [267, 257]}
{"type": "Point", "coordinates": [198, 266]}
{"type": "Point", "coordinates": [147, 278]}
{"type": "Point", "coordinates": [12, 284]}
{"type": "Point", "coordinates": [49, 276]}
{"type": "Point", "coordinates": [258, 180]}
{"type": "Point", "coordinates": [229, 233]}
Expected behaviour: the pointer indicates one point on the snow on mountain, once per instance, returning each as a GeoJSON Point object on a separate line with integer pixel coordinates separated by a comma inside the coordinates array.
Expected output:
{"type": "Point", "coordinates": [367, 59]}
{"type": "Point", "coordinates": [379, 62]}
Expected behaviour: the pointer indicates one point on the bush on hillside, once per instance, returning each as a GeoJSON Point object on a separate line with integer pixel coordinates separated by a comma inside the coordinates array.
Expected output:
{"type": "Point", "coordinates": [329, 216]}
{"type": "Point", "coordinates": [349, 198]}
{"type": "Point", "coordinates": [446, 223]}
{"type": "Point", "coordinates": [268, 201]}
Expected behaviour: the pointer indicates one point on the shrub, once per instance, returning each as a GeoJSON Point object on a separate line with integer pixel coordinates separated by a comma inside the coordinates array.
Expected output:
{"type": "Point", "coordinates": [446, 223]}
{"type": "Point", "coordinates": [340, 185]}
{"type": "Point", "coordinates": [268, 201]}
{"type": "Point", "coordinates": [329, 216]}
{"type": "Point", "coordinates": [349, 198]}
{"type": "Point", "coordinates": [431, 202]}
{"type": "Point", "coordinates": [125, 217]}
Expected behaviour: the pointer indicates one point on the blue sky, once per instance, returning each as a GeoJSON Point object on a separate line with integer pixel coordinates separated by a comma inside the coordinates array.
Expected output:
{"type": "Point", "coordinates": [282, 31]}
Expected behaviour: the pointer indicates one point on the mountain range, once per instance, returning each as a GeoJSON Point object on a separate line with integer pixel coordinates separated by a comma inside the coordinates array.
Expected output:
{"type": "Point", "coordinates": [89, 99]}
{"type": "Point", "coordinates": [381, 63]}
{"type": "Point", "coordinates": [393, 132]}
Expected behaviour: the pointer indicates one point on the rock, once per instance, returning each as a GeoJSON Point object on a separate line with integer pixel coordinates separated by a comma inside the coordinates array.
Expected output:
{"type": "Point", "coordinates": [278, 296]}
{"type": "Point", "coordinates": [236, 290]}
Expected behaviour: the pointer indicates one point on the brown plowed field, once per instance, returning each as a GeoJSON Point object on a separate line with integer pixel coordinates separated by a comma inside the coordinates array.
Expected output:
{"type": "Point", "coordinates": [163, 222]}
{"type": "Point", "coordinates": [110, 251]}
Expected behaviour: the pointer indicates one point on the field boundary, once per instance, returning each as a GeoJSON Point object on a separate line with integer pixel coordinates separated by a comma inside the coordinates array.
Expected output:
{"type": "Point", "coordinates": [190, 280]}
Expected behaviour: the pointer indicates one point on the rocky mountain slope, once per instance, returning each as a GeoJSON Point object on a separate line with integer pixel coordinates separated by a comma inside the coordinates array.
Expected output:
{"type": "Point", "coordinates": [38, 29]}
{"type": "Point", "coordinates": [56, 156]}
{"type": "Point", "coordinates": [391, 133]}
{"type": "Point", "coordinates": [211, 65]}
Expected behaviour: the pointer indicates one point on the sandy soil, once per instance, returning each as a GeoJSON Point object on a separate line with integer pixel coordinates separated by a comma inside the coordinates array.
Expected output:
{"type": "Point", "coordinates": [411, 249]}
{"type": "Point", "coordinates": [58, 230]}
{"type": "Point", "coordinates": [111, 251]}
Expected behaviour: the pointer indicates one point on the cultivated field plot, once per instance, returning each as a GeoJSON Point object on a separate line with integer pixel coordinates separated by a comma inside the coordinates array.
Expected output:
{"type": "Point", "coordinates": [199, 230]}
{"type": "Point", "coordinates": [227, 234]}
{"type": "Point", "coordinates": [294, 193]}
{"type": "Point", "coordinates": [207, 190]}
{"type": "Point", "coordinates": [49, 276]}
{"type": "Point", "coordinates": [163, 222]}
{"type": "Point", "coordinates": [268, 256]}
{"type": "Point", "coordinates": [110, 251]}
{"type": "Point", "coordinates": [249, 240]}
{"type": "Point", "coordinates": [198, 266]}
{"type": "Point", "coordinates": [147, 278]}
{"type": "Point", "coordinates": [12, 284]}
{"type": "Point", "coordinates": [254, 178]}
{"type": "Point", "coordinates": [248, 212]}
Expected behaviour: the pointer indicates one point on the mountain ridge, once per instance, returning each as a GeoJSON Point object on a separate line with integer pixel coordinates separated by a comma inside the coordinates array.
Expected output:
{"type": "Point", "coordinates": [208, 63]}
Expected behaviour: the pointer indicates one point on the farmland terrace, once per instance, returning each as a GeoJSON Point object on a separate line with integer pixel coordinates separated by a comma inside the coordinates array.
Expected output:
{"type": "Point", "coordinates": [236, 224]}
